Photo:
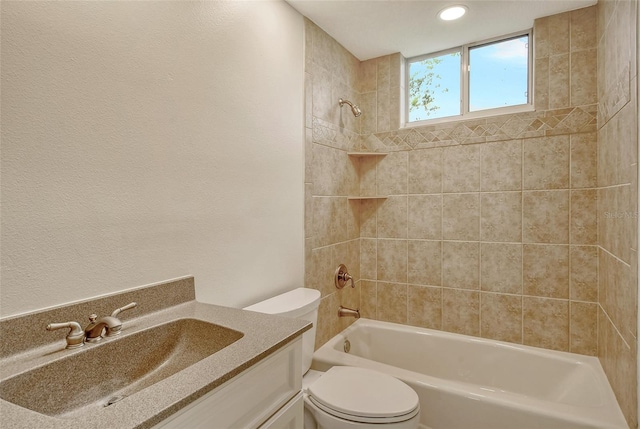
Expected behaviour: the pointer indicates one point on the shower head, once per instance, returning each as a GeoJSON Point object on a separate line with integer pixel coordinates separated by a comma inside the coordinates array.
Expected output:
{"type": "Point", "coordinates": [354, 108]}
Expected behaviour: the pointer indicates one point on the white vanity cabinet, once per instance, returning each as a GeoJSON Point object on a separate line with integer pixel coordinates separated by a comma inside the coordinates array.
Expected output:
{"type": "Point", "coordinates": [266, 395]}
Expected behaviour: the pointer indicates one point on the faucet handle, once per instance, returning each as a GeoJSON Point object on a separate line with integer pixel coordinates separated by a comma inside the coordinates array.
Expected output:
{"type": "Point", "coordinates": [75, 337]}
{"type": "Point", "coordinates": [342, 276]}
{"type": "Point", "coordinates": [126, 307]}
{"type": "Point", "coordinates": [115, 330]}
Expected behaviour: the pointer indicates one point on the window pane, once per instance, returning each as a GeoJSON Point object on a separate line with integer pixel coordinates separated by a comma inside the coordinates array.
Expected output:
{"type": "Point", "coordinates": [498, 74]}
{"type": "Point", "coordinates": [434, 87]}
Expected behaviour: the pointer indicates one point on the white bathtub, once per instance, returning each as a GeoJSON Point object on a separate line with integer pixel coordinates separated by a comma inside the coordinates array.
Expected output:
{"type": "Point", "coordinates": [471, 383]}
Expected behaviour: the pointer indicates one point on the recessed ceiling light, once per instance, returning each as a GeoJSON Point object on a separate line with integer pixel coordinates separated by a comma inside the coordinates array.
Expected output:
{"type": "Point", "coordinates": [452, 12]}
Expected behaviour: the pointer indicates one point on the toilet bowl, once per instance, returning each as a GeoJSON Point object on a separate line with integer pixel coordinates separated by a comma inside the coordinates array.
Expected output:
{"type": "Point", "coordinates": [343, 397]}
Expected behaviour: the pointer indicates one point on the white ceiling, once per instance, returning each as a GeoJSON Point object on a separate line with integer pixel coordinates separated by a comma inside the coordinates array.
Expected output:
{"type": "Point", "coordinates": [372, 28]}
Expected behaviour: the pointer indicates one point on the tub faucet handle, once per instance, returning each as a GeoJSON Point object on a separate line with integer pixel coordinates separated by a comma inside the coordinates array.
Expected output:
{"type": "Point", "coordinates": [342, 277]}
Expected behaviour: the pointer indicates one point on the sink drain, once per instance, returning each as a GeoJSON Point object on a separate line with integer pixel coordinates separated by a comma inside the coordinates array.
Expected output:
{"type": "Point", "coordinates": [113, 400]}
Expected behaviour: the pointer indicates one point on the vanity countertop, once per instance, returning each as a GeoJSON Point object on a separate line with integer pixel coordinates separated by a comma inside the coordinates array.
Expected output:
{"type": "Point", "coordinates": [263, 335]}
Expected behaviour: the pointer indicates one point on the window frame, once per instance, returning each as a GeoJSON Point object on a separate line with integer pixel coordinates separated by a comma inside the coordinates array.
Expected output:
{"type": "Point", "coordinates": [464, 83]}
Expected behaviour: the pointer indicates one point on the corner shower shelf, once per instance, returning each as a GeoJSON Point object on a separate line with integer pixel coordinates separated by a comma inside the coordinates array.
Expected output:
{"type": "Point", "coordinates": [366, 154]}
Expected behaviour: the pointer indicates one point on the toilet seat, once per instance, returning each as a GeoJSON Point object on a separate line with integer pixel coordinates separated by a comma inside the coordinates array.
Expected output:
{"type": "Point", "coordinates": [363, 395]}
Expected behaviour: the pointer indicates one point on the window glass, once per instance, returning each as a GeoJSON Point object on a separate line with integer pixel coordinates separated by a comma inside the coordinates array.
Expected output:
{"type": "Point", "coordinates": [434, 87]}
{"type": "Point", "coordinates": [476, 80]}
{"type": "Point", "coordinates": [498, 74]}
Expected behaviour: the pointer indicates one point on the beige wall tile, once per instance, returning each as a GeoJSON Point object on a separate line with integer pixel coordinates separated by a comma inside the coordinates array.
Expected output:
{"type": "Point", "coordinates": [583, 23]}
{"type": "Point", "coordinates": [308, 210]}
{"type": "Point", "coordinates": [619, 361]}
{"type": "Point", "coordinates": [501, 216]}
{"type": "Point", "coordinates": [392, 260]}
{"type": "Point", "coordinates": [583, 77]}
{"type": "Point", "coordinates": [392, 217]}
{"type": "Point", "coordinates": [327, 319]}
{"type": "Point", "coordinates": [584, 328]}
{"type": "Point", "coordinates": [368, 299]}
{"type": "Point", "coordinates": [584, 148]}
{"type": "Point", "coordinates": [545, 217]}
{"type": "Point", "coordinates": [353, 219]}
{"type": "Point", "coordinates": [369, 118]}
{"type": "Point", "coordinates": [501, 166]}
{"type": "Point", "coordinates": [425, 262]}
{"type": "Point", "coordinates": [542, 42]}
{"type": "Point", "coordinates": [501, 317]}
{"type": "Point", "coordinates": [461, 216]}
{"type": "Point", "coordinates": [392, 302]}
{"type": "Point", "coordinates": [545, 323]}
{"type": "Point", "coordinates": [546, 163]}
{"type": "Point", "coordinates": [368, 218]}
{"type": "Point", "coordinates": [329, 220]}
{"type": "Point", "coordinates": [559, 33]}
{"type": "Point", "coordinates": [367, 172]}
{"type": "Point", "coordinates": [368, 258]}
{"type": "Point", "coordinates": [461, 264]}
{"type": "Point", "coordinates": [368, 76]}
{"type": "Point", "coordinates": [461, 311]}
{"type": "Point", "coordinates": [501, 267]}
{"type": "Point", "coordinates": [424, 306]}
{"type": "Point", "coordinates": [392, 174]}
{"type": "Point", "coordinates": [461, 169]}
{"type": "Point", "coordinates": [541, 83]}
{"type": "Point", "coordinates": [584, 221]}
{"type": "Point", "coordinates": [322, 271]}
{"type": "Point", "coordinates": [584, 273]}
{"type": "Point", "coordinates": [546, 270]}
{"type": "Point", "coordinates": [425, 217]}
{"type": "Point", "coordinates": [559, 81]}
{"type": "Point", "coordinates": [323, 105]}
{"type": "Point", "coordinates": [425, 171]}
{"type": "Point", "coordinates": [619, 295]}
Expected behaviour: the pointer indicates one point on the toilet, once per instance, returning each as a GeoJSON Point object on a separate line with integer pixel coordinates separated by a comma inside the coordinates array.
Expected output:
{"type": "Point", "coordinates": [343, 397]}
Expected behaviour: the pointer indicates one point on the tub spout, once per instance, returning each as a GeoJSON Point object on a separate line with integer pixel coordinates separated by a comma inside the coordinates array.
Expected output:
{"type": "Point", "coordinates": [348, 312]}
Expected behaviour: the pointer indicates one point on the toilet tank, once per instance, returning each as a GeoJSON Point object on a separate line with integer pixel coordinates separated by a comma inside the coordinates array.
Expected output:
{"type": "Point", "coordinates": [301, 303]}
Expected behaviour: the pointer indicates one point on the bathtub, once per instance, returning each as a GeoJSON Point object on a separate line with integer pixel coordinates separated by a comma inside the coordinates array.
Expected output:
{"type": "Point", "coordinates": [465, 382]}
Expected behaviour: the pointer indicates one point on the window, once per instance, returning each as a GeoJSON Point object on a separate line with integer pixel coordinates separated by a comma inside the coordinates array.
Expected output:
{"type": "Point", "coordinates": [489, 77]}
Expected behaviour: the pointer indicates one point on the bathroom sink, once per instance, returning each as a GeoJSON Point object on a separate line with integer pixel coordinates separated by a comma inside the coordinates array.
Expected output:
{"type": "Point", "coordinates": [102, 374]}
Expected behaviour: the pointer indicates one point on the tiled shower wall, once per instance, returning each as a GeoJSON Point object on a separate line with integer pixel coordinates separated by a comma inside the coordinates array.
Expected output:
{"type": "Point", "coordinates": [489, 227]}
{"type": "Point", "coordinates": [332, 231]}
{"type": "Point", "coordinates": [617, 199]}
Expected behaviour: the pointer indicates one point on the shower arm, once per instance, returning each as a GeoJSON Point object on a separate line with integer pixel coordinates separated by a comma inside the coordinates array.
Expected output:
{"type": "Point", "coordinates": [354, 108]}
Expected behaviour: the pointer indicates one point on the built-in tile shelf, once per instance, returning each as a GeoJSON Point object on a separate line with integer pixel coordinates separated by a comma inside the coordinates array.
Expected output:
{"type": "Point", "coordinates": [366, 154]}
{"type": "Point", "coordinates": [373, 197]}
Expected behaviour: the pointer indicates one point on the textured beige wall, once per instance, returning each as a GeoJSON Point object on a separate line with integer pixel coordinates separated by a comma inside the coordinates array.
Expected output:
{"type": "Point", "coordinates": [617, 199]}
{"type": "Point", "coordinates": [143, 141]}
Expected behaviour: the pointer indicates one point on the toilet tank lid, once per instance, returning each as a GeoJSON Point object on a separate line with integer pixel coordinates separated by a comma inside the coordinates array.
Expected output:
{"type": "Point", "coordinates": [294, 303]}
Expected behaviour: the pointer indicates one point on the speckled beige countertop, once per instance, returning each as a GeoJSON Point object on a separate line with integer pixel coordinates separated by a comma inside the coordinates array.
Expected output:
{"type": "Point", "coordinates": [263, 334]}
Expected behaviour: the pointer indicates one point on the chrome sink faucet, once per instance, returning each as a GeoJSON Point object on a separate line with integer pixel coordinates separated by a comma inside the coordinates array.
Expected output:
{"type": "Point", "coordinates": [93, 332]}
